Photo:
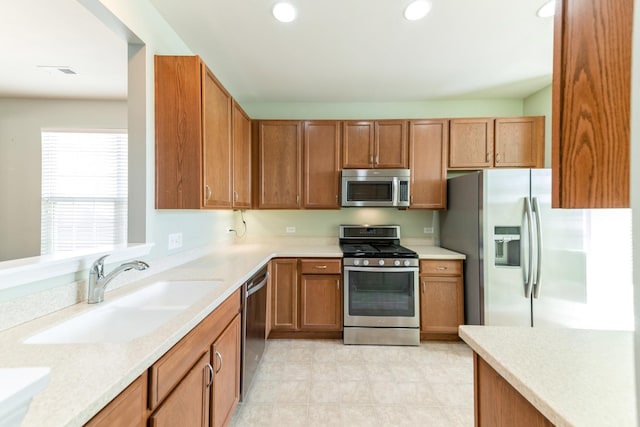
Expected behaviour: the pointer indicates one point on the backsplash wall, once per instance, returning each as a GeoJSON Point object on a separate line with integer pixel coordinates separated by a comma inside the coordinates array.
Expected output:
{"type": "Point", "coordinates": [324, 223]}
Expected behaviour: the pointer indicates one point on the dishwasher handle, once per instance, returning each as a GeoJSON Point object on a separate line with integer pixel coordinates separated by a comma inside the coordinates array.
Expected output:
{"type": "Point", "coordinates": [254, 287]}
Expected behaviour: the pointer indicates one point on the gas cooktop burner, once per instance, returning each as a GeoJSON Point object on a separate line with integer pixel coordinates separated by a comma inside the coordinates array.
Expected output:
{"type": "Point", "coordinates": [373, 242]}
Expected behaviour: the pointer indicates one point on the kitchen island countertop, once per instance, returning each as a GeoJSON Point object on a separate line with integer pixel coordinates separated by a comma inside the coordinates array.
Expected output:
{"type": "Point", "coordinates": [574, 377]}
{"type": "Point", "coordinates": [85, 377]}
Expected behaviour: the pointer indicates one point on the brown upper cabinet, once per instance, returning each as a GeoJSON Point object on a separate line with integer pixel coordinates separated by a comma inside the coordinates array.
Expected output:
{"type": "Point", "coordinates": [322, 144]}
{"type": "Point", "coordinates": [591, 104]}
{"type": "Point", "coordinates": [428, 155]}
{"type": "Point", "coordinates": [278, 180]}
{"type": "Point", "coordinates": [193, 136]}
{"type": "Point", "coordinates": [375, 144]}
{"type": "Point", "coordinates": [241, 158]}
{"type": "Point", "coordinates": [510, 142]}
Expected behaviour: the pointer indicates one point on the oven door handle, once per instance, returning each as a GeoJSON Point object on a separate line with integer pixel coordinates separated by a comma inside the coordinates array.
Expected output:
{"type": "Point", "coordinates": [376, 269]}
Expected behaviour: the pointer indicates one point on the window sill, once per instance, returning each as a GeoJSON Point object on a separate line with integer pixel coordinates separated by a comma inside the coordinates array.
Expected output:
{"type": "Point", "coordinates": [27, 270]}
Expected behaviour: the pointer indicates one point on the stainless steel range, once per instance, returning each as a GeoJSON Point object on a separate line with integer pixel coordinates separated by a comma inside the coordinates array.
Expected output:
{"type": "Point", "coordinates": [381, 303]}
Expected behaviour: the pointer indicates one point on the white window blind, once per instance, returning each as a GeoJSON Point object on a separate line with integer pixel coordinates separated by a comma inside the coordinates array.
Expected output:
{"type": "Point", "coordinates": [84, 190]}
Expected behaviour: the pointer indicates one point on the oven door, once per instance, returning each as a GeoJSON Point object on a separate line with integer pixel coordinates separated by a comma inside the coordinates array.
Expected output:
{"type": "Point", "coordinates": [381, 297]}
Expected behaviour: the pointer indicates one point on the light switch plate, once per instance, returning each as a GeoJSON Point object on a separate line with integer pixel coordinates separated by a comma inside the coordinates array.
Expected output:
{"type": "Point", "coordinates": [428, 230]}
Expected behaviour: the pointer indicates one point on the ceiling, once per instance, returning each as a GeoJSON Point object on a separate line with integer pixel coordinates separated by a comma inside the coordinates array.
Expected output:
{"type": "Point", "coordinates": [59, 33]}
{"type": "Point", "coordinates": [336, 51]}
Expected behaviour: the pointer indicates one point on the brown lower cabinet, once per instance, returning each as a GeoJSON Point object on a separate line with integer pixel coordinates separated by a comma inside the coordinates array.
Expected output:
{"type": "Point", "coordinates": [306, 297]}
{"type": "Point", "coordinates": [498, 404]}
{"type": "Point", "coordinates": [195, 383]}
{"type": "Point", "coordinates": [441, 298]}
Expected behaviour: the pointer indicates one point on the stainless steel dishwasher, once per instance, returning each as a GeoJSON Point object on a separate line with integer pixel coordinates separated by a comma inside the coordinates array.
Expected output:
{"type": "Point", "coordinates": [254, 320]}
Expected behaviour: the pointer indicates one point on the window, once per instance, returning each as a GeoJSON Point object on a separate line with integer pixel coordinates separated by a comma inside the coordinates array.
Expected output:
{"type": "Point", "coordinates": [84, 189]}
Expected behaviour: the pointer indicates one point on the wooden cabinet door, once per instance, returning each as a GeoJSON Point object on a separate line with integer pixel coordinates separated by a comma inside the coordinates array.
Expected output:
{"type": "Point", "coordinates": [225, 359]}
{"type": "Point", "coordinates": [188, 403]}
{"type": "Point", "coordinates": [321, 302]}
{"type": "Point", "coordinates": [441, 304]}
{"type": "Point", "coordinates": [321, 164]}
{"type": "Point", "coordinates": [178, 131]}
{"type": "Point", "coordinates": [241, 159]}
{"type": "Point", "coordinates": [126, 410]}
{"type": "Point", "coordinates": [470, 143]}
{"type": "Point", "coordinates": [519, 142]}
{"type": "Point", "coordinates": [283, 274]}
{"type": "Point", "coordinates": [428, 141]}
{"type": "Point", "coordinates": [357, 144]}
{"type": "Point", "coordinates": [591, 104]}
{"type": "Point", "coordinates": [217, 148]}
{"type": "Point", "coordinates": [391, 144]}
{"type": "Point", "coordinates": [280, 163]}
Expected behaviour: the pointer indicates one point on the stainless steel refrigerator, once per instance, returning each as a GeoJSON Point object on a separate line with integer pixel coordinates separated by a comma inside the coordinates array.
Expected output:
{"type": "Point", "coordinates": [530, 265]}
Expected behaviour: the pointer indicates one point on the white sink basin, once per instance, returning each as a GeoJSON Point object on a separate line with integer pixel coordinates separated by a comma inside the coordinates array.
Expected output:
{"type": "Point", "coordinates": [129, 317]}
{"type": "Point", "coordinates": [17, 388]}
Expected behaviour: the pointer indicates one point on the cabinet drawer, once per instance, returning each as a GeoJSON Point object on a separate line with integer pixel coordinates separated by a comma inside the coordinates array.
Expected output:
{"type": "Point", "coordinates": [321, 266]}
{"type": "Point", "coordinates": [169, 370]}
{"type": "Point", "coordinates": [441, 267]}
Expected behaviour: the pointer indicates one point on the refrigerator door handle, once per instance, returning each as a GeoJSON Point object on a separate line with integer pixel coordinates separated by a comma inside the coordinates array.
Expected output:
{"type": "Point", "coordinates": [537, 283]}
{"type": "Point", "coordinates": [528, 285]}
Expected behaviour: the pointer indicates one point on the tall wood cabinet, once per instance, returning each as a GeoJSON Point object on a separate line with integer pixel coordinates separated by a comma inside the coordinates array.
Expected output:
{"type": "Point", "coordinates": [375, 144]}
{"type": "Point", "coordinates": [428, 141]}
{"type": "Point", "coordinates": [241, 158]}
{"type": "Point", "coordinates": [193, 135]}
{"type": "Point", "coordinates": [591, 103]}
{"type": "Point", "coordinates": [278, 179]}
{"type": "Point", "coordinates": [322, 143]}
{"type": "Point", "coordinates": [480, 143]}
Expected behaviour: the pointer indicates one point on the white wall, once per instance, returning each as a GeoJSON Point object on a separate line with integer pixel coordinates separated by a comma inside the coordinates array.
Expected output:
{"type": "Point", "coordinates": [21, 123]}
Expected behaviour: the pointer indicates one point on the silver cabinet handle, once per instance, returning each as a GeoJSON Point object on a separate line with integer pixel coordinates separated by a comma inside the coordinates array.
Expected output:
{"type": "Point", "coordinates": [378, 159]}
{"type": "Point", "coordinates": [208, 192]}
{"type": "Point", "coordinates": [338, 284]}
{"type": "Point", "coordinates": [219, 356]}
{"type": "Point", "coordinates": [536, 282]}
{"type": "Point", "coordinates": [442, 268]}
{"type": "Point", "coordinates": [210, 374]}
{"type": "Point", "coordinates": [321, 267]}
{"type": "Point", "coordinates": [497, 157]}
{"type": "Point", "coordinates": [235, 196]}
{"type": "Point", "coordinates": [371, 159]}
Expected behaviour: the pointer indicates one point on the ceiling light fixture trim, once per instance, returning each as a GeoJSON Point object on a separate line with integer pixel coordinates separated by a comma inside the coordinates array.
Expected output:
{"type": "Point", "coordinates": [417, 9]}
{"type": "Point", "coordinates": [284, 12]}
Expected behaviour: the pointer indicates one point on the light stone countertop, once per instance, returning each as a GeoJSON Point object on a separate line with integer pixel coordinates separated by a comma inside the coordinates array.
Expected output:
{"type": "Point", "coordinates": [574, 377]}
{"type": "Point", "coordinates": [85, 377]}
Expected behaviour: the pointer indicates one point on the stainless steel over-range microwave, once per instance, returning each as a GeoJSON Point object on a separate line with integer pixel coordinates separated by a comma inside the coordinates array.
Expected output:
{"type": "Point", "coordinates": [375, 188]}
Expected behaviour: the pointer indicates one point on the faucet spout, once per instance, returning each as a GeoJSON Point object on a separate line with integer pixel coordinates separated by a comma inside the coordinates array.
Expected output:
{"type": "Point", "coordinates": [98, 281]}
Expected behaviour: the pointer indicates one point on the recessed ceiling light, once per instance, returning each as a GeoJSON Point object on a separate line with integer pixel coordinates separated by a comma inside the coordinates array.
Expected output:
{"type": "Point", "coordinates": [417, 9]}
{"type": "Point", "coordinates": [548, 9]}
{"type": "Point", "coordinates": [284, 12]}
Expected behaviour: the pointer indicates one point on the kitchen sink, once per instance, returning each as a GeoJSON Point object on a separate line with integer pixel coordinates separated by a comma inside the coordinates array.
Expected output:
{"type": "Point", "coordinates": [129, 317]}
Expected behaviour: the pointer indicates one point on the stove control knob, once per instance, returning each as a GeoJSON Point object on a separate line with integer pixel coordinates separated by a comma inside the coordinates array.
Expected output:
{"type": "Point", "coordinates": [406, 263]}
{"type": "Point", "coordinates": [365, 262]}
{"type": "Point", "coordinates": [381, 262]}
{"type": "Point", "coordinates": [356, 262]}
{"type": "Point", "coordinates": [396, 263]}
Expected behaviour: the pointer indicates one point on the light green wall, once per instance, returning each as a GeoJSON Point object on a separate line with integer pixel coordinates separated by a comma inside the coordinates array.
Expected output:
{"type": "Point", "coordinates": [539, 104]}
{"type": "Point", "coordinates": [384, 110]}
{"type": "Point", "coordinates": [315, 223]}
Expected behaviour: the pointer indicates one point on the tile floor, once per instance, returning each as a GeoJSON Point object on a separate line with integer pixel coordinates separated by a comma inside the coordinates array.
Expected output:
{"type": "Point", "coordinates": [325, 383]}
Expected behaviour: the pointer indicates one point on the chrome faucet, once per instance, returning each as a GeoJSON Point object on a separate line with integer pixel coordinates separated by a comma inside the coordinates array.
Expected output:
{"type": "Point", "coordinates": [98, 281]}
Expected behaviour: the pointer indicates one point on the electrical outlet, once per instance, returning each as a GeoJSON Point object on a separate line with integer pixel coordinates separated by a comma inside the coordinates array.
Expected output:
{"type": "Point", "coordinates": [428, 230]}
{"type": "Point", "coordinates": [291, 229]}
{"type": "Point", "coordinates": [175, 241]}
